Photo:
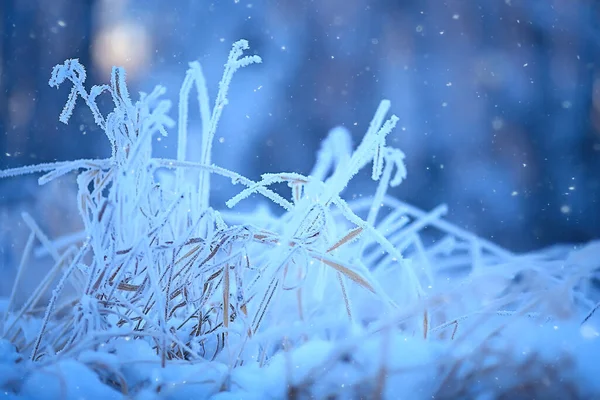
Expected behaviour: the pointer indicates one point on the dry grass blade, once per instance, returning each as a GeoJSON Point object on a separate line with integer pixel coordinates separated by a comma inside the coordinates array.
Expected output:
{"type": "Point", "coordinates": [344, 295]}
{"type": "Point", "coordinates": [592, 312]}
{"type": "Point", "coordinates": [128, 287]}
{"type": "Point", "coordinates": [347, 238]}
{"type": "Point", "coordinates": [122, 382]}
{"type": "Point", "coordinates": [189, 253]}
{"type": "Point", "coordinates": [425, 324]}
{"type": "Point", "coordinates": [264, 304]}
{"type": "Point", "coordinates": [347, 272]}
{"type": "Point", "coordinates": [226, 296]}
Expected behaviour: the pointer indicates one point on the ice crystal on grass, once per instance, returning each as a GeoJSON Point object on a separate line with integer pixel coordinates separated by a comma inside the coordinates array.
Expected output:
{"type": "Point", "coordinates": [157, 271]}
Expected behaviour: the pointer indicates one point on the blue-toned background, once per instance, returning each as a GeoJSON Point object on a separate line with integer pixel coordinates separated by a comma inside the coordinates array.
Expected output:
{"type": "Point", "coordinates": [499, 100]}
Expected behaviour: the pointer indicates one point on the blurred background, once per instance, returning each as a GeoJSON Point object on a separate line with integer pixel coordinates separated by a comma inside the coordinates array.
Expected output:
{"type": "Point", "coordinates": [499, 100]}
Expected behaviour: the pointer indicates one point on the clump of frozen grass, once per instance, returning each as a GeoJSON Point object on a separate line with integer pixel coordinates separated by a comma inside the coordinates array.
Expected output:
{"type": "Point", "coordinates": [349, 281]}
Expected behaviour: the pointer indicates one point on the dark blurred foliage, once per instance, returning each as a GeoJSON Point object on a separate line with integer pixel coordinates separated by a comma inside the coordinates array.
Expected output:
{"type": "Point", "coordinates": [499, 100]}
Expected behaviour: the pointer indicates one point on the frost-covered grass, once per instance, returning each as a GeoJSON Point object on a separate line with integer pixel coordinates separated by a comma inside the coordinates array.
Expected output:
{"type": "Point", "coordinates": [163, 296]}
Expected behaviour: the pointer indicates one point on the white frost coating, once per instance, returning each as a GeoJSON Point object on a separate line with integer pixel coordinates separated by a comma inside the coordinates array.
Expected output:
{"type": "Point", "coordinates": [234, 62]}
{"type": "Point", "coordinates": [193, 76]}
{"type": "Point", "coordinates": [335, 153]}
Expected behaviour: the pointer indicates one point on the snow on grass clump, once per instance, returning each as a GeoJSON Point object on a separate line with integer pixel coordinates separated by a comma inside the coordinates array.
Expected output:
{"type": "Point", "coordinates": [163, 296]}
